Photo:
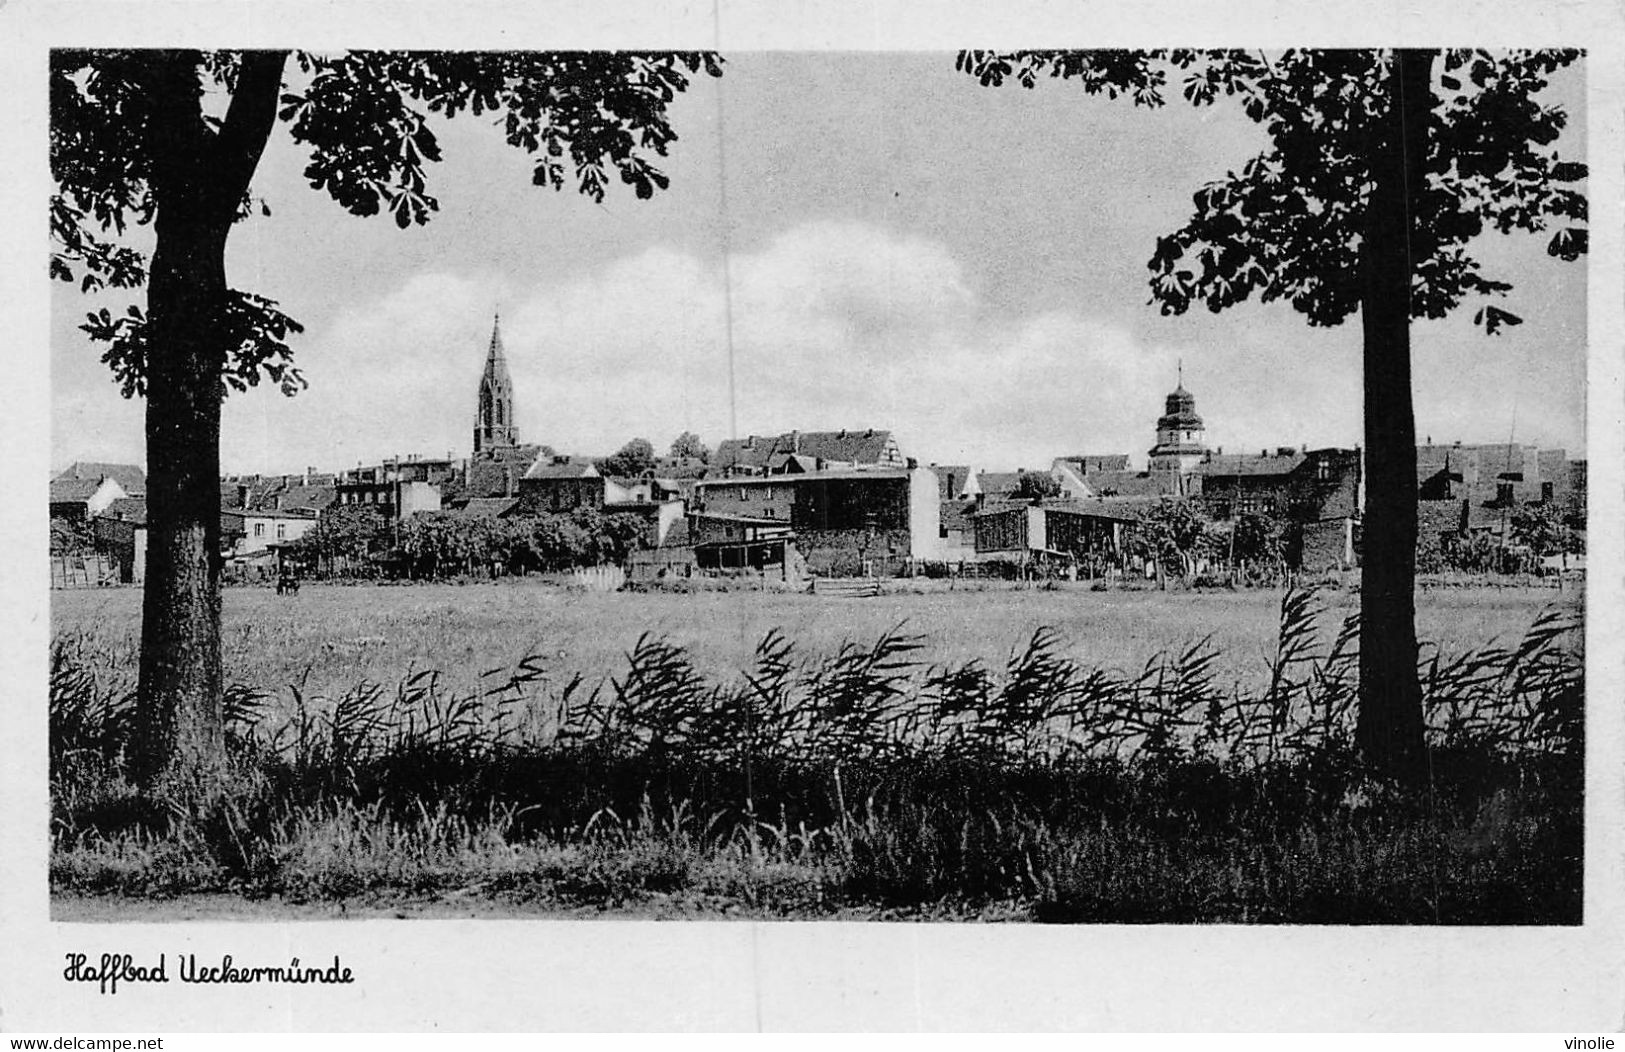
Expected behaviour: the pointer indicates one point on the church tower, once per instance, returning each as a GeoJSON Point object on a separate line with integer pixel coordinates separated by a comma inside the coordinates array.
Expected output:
{"type": "Point", "coordinates": [493, 423]}
{"type": "Point", "coordinates": [1180, 434]}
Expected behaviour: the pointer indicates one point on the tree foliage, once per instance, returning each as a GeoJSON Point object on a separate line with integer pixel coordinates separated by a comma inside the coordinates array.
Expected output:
{"type": "Point", "coordinates": [689, 445]}
{"type": "Point", "coordinates": [1036, 486]}
{"type": "Point", "coordinates": [1289, 225]}
{"type": "Point", "coordinates": [367, 120]}
{"type": "Point", "coordinates": [630, 461]}
{"type": "Point", "coordinates": [1173, 532]}
{"type": "Point", "coordinates": [136, 140]}
{"type": "Point", "coordinates": [1543, 529]}
{"type": "Point", "coordinates": [1381, 169]}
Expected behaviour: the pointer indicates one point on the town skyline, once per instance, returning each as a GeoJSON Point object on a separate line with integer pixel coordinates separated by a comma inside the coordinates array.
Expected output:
{"type": "Point", "coordinates": [898, 249]}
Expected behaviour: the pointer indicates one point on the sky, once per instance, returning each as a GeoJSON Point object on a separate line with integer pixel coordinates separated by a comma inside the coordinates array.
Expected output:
{"type": "Point", "coordinates": [883, 242]}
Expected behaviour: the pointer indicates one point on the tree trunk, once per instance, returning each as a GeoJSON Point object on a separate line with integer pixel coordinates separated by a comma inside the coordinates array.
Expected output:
{"type": "Point", "coordinates": [1389, 730]}
{"type": "Point", "coordinates": [198, 177]}
{"type": "Point", "coordinates": [181, 727]}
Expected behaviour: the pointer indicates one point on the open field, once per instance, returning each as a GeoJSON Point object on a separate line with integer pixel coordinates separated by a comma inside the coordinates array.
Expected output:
{"type": "Point", "coordinates": [328, 638]}
{"type": "Point", "coordinates": [1060, 755]}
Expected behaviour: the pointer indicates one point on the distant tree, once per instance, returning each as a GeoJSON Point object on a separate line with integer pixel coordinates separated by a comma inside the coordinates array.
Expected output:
{"type": "Point", "coordinates": [1172, 532]}
{"type": "Point", "coordinates": [1258, 538]}
{"type": "Point", "coordinates": [69, 537]}
{"type": "Point", "coordinates": [1380, 172]}
{"type": "Point", "coordinates": [132, 143]}
{"type": "Point", "coordinates": [1543, 529]}
{"type": "Point", "coordinates": [1036, 486]}
{"type": "Point", "coordinates": [630, 461]}
{"type": "Point", "coordinates": [345, 531]}
{"type": "Point", "coordinates": [688, 444]}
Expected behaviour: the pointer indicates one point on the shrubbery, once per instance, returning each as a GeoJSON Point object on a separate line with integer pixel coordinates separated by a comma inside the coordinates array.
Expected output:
{"type": "Point", "coordinates": [866, 780]}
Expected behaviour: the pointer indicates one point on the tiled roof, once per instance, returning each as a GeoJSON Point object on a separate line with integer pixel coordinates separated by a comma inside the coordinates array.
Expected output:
{"type": "Point", "coordinates": [851, 447]}
{"type": "Point", "coordinates": [128, 509]}
{"type": "Point", "coordinates": [1247, 464]}
{"type": "Point", "coordinates": [997, 482]}
{"type": "Point", "coordinates": [950, 479]}
{"type": "Point", "coordinates": [1120, 510]}
{"type": "Point", "coordinates": [130, 477]}
{"type": "Point", "coordinates": [1132, 483]}
{"type": "Point", "coordinates": [572, 468]}
{"type": "Point", "coordinates": [74, 490]}
{"type": "Point", "coordinates": [1090, 463]}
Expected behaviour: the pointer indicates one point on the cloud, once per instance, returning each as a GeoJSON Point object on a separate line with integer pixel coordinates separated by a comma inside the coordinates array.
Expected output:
{"type": "Point", "coordinates": [833, 324]}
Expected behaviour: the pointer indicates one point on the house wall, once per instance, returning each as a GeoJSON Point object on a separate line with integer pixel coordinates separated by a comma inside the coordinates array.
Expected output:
{"type": "Point", "coordinates": [1001, 531]}
{"type": "Point", "coordinates": [1069, 531]}
{"type": "Point", "coordinates": [770, 500]}
{"type": "Point", "coordinates": [126, 544]}
{"type": "Point", "coordinates": [538, 496]}
{"type": "Point", "coordinates": [671, 512]}
{"type": "Point", "coordinates": [925, 515]}
{"type": "Point", "coordinates": [261, 531]}
{"type": "Point", "coordinates": [418, 497]}
{"type": "Point", "coordinates": [881, 503]}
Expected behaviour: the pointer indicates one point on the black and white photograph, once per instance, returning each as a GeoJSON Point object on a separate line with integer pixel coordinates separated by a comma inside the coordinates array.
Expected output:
{"type": "Point", "coordinates": [868, 493]}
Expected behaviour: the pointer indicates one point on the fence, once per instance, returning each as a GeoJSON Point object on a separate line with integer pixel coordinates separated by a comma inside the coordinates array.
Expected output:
{"type": "Point", "coordinates": [846, 587]}
{"type": "Point", "coordinates": [83, 571]}
{"type": "Point", "coordinates": [599, 579]}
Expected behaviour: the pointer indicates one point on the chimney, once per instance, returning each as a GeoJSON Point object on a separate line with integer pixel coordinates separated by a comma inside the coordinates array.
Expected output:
{"type": "Point", "coordinates": [795, 441]}
{"type": "Point", "coordinates": [507, 485]}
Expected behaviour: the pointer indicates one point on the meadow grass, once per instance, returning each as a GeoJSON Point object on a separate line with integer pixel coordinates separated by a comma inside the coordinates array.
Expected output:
{"type": "Point", "coordinates": [328, 638]}
{"type": "Point", "coordinates": [965, 761]}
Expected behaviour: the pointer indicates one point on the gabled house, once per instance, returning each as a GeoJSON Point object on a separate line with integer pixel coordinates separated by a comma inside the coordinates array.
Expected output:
{"type": "Point", "coordinates": [844, 522]}
{"type": "Point", "coordinates": [245, 534]}
{"type": "Point", "coordinates": [561, 484]}
{"type": "Point", "coordinates": [82, 499]}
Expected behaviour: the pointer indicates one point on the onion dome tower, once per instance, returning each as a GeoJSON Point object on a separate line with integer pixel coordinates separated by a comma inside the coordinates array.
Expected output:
{"type": "Point", "coordinates": [493, 422]}
{"type": "Point", "coordinates": [1180, 433]}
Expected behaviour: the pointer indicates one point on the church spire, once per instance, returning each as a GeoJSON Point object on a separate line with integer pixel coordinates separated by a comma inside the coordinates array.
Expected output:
{"type": "Point", "coordinates": [493, 421]}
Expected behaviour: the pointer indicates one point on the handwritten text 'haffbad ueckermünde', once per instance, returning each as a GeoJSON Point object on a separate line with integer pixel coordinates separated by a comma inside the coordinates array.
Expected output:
{"type": "Point", "coordinates": [116, 968]}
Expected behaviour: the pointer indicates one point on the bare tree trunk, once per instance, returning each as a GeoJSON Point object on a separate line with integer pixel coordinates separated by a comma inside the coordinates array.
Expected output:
{"type": "Point", "coordinates": [1390, 726]}
{"type": "Point", "coordinates": [199, 177]}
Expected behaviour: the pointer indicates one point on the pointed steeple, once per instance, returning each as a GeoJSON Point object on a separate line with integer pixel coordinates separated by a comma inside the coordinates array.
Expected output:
{"type": "Point", "coordinates": [495, 356]}
{"type": "Point", "coordinates": [493, 420]}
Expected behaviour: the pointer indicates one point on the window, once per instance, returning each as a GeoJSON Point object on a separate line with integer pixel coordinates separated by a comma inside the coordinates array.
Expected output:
{"type": "Point", "coordinates": [1546, 492]}
{"type": "Point", "coordinates": [281, 530]}
{"type": "Point", "coordinates": [259, 529]}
